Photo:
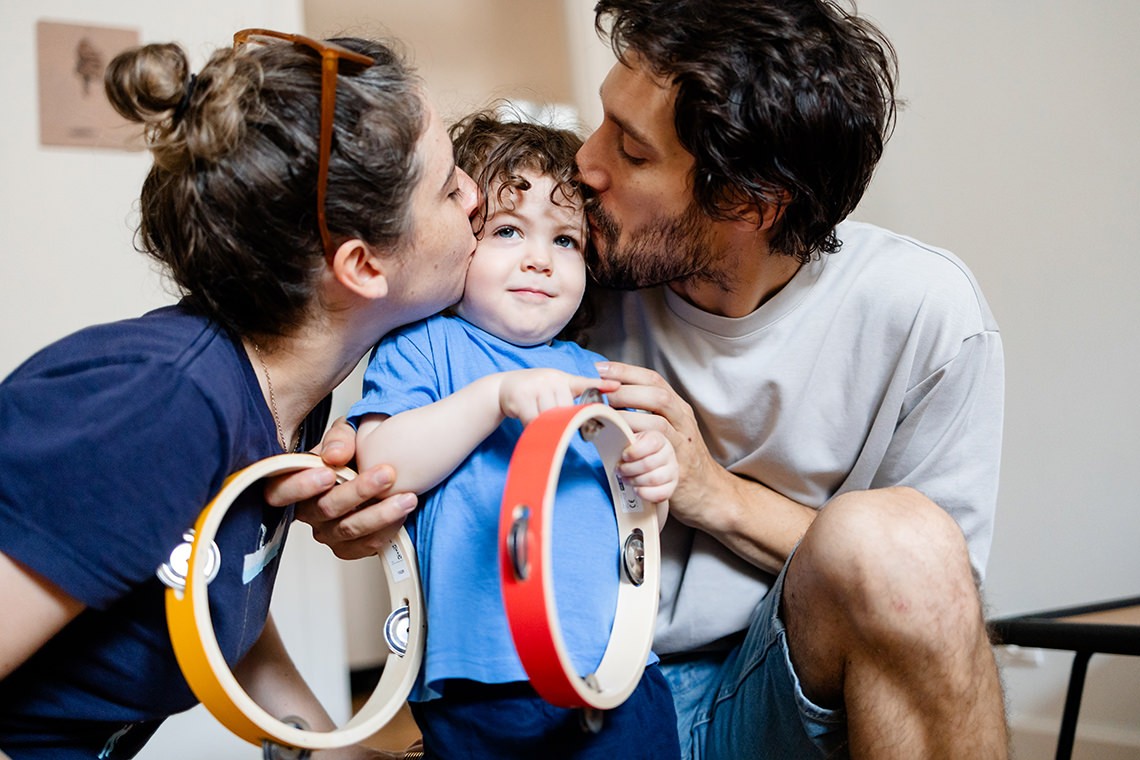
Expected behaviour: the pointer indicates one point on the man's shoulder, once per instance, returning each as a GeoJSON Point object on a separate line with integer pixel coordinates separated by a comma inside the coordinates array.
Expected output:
{"type": "Point", "coordinates": [874, 245]}
{"type": "Point", "coordinates": [896, 269]}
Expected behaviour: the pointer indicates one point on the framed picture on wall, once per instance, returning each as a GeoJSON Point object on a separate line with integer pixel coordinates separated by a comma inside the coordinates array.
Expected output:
{"type": "Point", "coordinates": [74, 110]}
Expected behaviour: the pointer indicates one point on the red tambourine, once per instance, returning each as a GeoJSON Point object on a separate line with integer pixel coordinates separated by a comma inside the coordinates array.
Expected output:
{"type": "Point", "coordinates": [525, 562]}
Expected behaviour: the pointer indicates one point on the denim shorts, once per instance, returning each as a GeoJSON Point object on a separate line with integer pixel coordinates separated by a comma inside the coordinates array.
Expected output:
{"type": "Point", "coordinates": [748, 703]}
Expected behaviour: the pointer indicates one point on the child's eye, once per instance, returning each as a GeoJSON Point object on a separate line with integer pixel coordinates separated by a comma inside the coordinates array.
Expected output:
{"type": "Point", "coordinates": [506, 231]}
{"type": "Point", "coordinates": [565, 241]}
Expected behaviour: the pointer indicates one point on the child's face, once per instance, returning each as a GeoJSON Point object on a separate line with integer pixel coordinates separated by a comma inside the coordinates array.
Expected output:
{"type": "Point", "coordinates": [528, 273]}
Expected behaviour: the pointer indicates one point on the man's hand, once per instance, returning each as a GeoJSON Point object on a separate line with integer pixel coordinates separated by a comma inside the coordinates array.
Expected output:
{"type": "Point", "coordinates": [354, 519]}
{"type": "Point", "coordinates": [749, 518]}
{"type": "Point", "coordinates": [672, 417]}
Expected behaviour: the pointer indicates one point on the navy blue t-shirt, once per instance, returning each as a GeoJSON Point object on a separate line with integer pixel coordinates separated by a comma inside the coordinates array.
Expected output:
{"type": "Point", "coordinates": [112, 440]}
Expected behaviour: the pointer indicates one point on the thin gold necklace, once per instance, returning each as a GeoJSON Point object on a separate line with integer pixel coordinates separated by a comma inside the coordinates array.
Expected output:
{"type": "Point", "coordinates": [272, 400]}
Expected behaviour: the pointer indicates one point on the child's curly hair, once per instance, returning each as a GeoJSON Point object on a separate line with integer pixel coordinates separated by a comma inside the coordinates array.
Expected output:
{"type": "Point", "coordinates": [495, 151]}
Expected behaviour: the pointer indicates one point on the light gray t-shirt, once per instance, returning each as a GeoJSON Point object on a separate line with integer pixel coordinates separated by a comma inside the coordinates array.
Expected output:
{"type": "Point", "coordinates": [875, 366]}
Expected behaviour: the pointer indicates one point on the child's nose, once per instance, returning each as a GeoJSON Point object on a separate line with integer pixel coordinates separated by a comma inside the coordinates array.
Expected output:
{"type": "Point", "coordinates": [538, 259]}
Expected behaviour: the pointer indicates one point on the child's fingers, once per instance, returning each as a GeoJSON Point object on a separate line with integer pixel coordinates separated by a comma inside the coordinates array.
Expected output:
{"type": "Point", "coordinates": [655, 483]}
{"type": "Point", "coordinates": [658, 460]}
{"type": "Point", "coordinates": [650, 466]}
{"type": "Point", "coordinates": [647, 444]}
{"type": "Point", "coordinates": [654, 476]}
{"type": "Point", "coordinates": [655, 494]}
{"type": "Point", "coordinates": [552, 397]}
{"type": "Point", "coordinates": [579, 384]}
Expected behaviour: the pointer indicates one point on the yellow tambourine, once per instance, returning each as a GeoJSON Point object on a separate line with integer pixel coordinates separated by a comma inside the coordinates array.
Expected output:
{"type": "Point", "coordinates": [205, 669]}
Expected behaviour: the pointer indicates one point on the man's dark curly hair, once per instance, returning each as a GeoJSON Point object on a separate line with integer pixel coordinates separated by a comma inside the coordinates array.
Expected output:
{"type": "Point", "coordinates": [783, 103]}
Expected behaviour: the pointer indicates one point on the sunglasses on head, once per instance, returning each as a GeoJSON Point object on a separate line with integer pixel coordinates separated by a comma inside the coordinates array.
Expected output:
{"type": "Point", "coordinates": [331, 56]}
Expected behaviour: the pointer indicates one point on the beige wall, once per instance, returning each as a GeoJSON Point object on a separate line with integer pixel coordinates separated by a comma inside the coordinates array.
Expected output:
{"type": "Point", "coordinates": [469, 52]}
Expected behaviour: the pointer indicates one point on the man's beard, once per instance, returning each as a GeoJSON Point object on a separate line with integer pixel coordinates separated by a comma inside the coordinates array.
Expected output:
{"type": "Point", "coordinates": [664, 250]}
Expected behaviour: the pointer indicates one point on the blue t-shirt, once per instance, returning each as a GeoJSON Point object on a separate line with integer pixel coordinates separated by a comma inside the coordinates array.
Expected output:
{"type": "Point", "coordinates": [456, 529]}
{"type": "Point", "coordinates": [112, 440]}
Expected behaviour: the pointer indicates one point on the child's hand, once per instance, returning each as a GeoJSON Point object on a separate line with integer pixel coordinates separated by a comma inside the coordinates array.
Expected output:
{"type": "Point", "coordinates": [526, 393]}
{"type": "Point", "coordinates": [649, 464]}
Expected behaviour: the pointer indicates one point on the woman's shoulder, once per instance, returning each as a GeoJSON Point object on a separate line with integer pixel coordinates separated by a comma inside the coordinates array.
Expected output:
{"type": "Point", "coordinates": [169, 334]}
{"type": "Point", "coordinates": [165, 356]}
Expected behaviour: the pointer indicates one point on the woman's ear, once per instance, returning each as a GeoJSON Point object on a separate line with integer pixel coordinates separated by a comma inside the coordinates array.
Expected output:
{"type": "Point", "coordinates": [358, 267]}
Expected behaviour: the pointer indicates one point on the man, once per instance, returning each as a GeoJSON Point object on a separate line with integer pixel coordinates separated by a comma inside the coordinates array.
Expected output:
{"type": "Point", "coordinates": [833, 391]}
{"type": "Point", "coordinates": [821, 365]}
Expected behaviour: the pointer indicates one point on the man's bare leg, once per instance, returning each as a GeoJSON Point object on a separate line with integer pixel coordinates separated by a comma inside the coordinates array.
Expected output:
{"type": "Point", "coordinates": [883, 616]}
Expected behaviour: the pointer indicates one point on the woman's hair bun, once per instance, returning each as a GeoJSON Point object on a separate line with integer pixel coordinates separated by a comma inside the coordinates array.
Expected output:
{"type": "Point", "coordinates": [185, 117]}
{"type": "Point", "coordinates": [145, 84]}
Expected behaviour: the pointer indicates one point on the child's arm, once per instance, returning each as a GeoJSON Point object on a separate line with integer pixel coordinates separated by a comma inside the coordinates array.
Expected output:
{"type": "Point", "coordinates": [426, 444]}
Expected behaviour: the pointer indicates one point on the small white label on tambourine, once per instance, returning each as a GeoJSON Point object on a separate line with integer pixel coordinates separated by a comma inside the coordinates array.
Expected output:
{"type": "Point", "coordinates": [628, 499]}
{"type": "Point", "coordinates": [397, 562]}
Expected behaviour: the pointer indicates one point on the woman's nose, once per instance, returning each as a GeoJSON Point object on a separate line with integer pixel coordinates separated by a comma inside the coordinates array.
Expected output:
{"type": "Point", "coordinates": [470, 191]}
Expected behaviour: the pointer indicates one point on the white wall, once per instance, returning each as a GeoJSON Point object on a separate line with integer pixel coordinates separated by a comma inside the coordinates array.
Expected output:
{"type": "Point", "coordinates": [66, 222]}
{"type": "Point", "coordinates": [1018, 150]}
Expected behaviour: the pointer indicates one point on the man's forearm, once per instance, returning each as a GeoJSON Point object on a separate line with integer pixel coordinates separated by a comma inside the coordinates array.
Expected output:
{"type": "Point", "coordinates": [752, 520]}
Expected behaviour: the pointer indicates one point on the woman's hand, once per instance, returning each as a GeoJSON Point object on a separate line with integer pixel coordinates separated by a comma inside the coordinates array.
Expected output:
{"type": "Point", "coordinates": [354, 519]}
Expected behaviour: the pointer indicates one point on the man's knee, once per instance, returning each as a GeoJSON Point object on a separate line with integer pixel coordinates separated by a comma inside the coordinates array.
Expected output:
{"type": "Point", "coordinates": [882, 583]}
{"type": "Point", "coordinates": [888, 557]}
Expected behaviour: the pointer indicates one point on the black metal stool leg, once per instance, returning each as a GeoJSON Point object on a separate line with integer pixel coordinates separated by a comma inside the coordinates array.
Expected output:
{"type": "Point", "coordinates": [1072, 705]}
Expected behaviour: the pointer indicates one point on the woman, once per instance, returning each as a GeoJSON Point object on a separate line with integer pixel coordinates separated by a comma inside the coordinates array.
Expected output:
{"type": "Point", "coordinates": [298, 235]}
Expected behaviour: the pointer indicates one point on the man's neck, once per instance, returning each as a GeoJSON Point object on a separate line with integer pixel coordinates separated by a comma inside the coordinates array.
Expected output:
{"type": "Point", "coordinates": [750, 278]}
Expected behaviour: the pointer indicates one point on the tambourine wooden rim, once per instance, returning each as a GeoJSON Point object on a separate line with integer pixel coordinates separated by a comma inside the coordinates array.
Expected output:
{"type": "Point", "coordinates": [525, 562]}
{"type": "Point", "coordinates": [212, 681]}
